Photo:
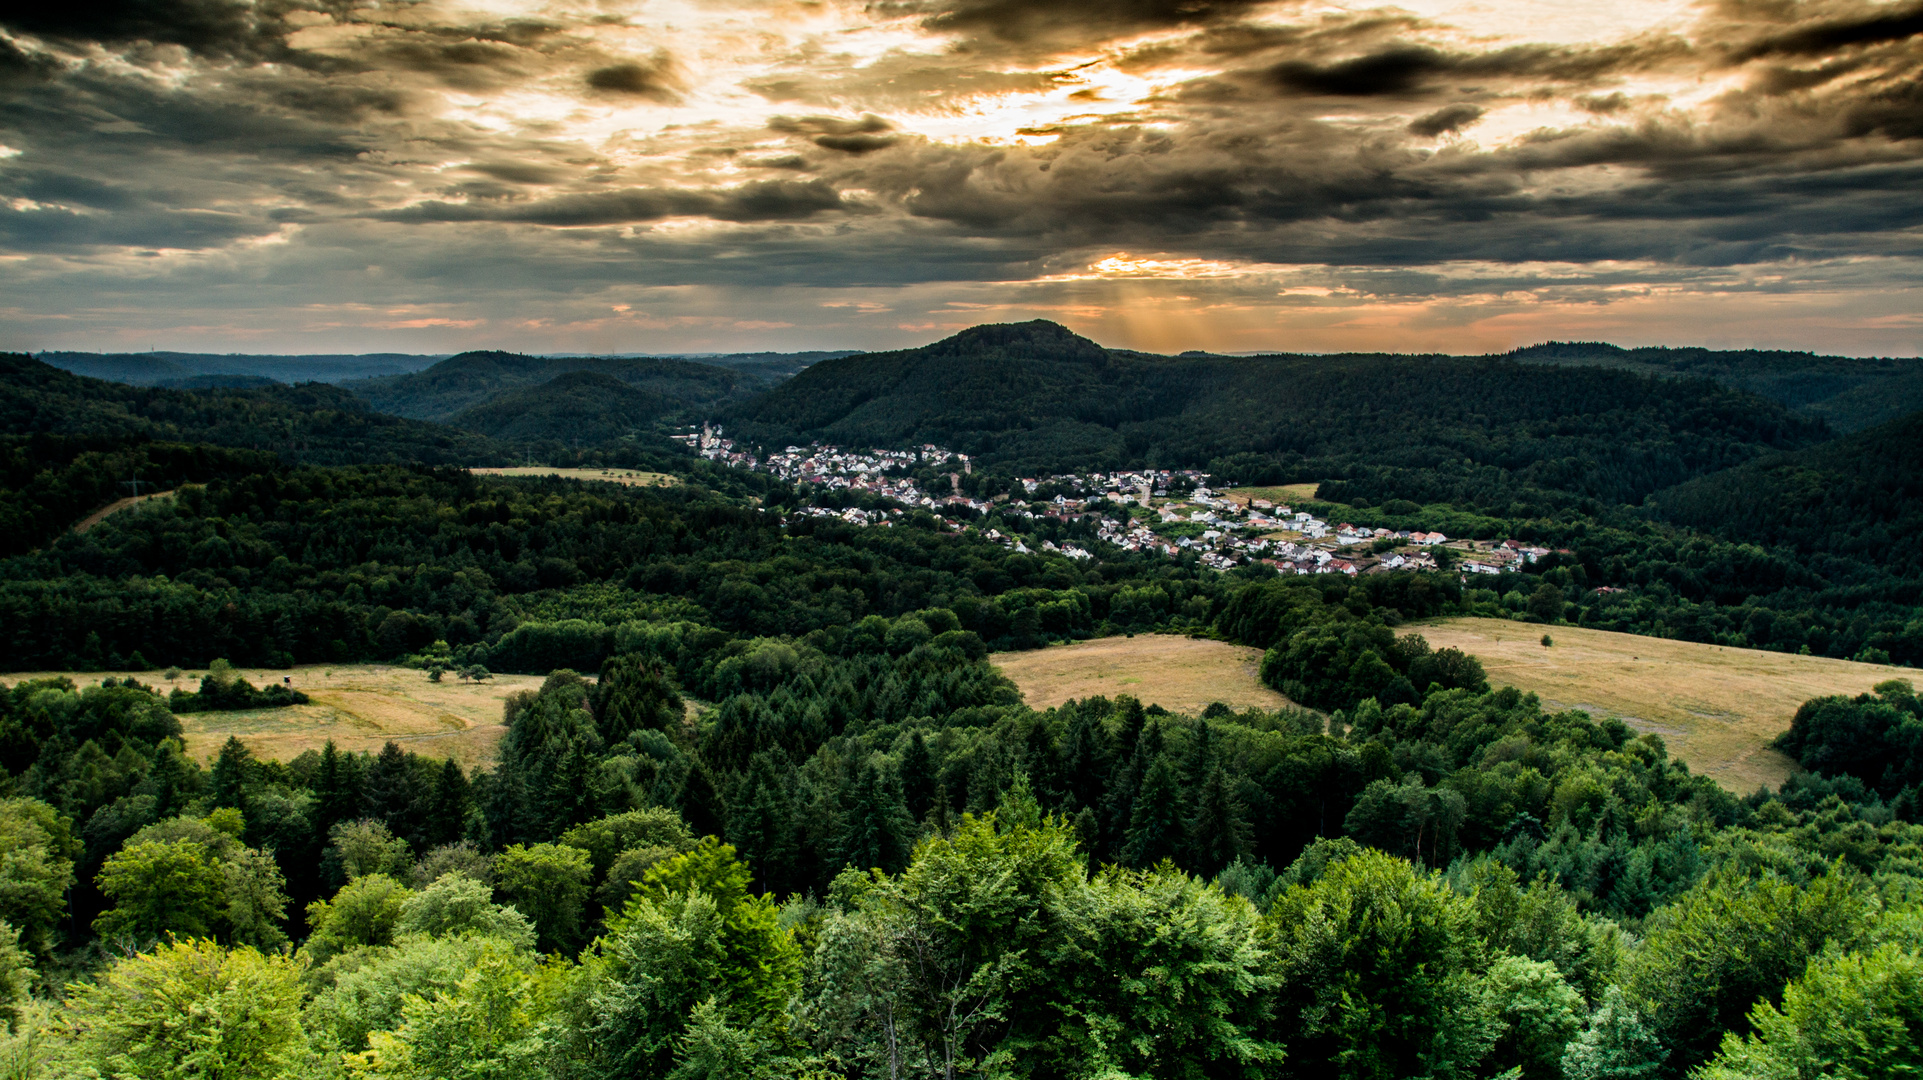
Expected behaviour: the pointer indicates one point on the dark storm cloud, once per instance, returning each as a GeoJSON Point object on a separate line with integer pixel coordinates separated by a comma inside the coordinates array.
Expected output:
{"type": "Point", "coordinates": [1448, 118]}
{"type": "Point", "coordinates": [859, 136]}
{"type": "Point", "coordinates": [1024, 21]}
{"type": "Point", "coordinates": [758, 201]}
{"type": "Point", "coordinates": [1822, 36]}
{"type": "Point", "coordinates": [1406, 69]}
{"type": "Point", "coordinates": [211, 27]}
{"type": "Point", "coordinates": [654, 79]}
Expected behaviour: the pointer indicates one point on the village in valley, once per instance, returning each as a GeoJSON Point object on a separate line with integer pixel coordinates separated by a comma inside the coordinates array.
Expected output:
{"type": "Point", "coordinates": [1173, 512]}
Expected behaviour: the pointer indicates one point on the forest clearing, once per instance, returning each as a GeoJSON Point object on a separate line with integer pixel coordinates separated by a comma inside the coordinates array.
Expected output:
{"type": "Point", "coordinates": [629, 477]}
{"type": "Point", "coordinates": [1180, 674]}
{"type": "Point", "coordinates": [358, 706]}
{"type": "Point", "coordinates": [1717, 708]}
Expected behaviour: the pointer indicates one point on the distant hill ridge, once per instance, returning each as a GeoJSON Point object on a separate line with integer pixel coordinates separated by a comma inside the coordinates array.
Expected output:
{"type": "Point", "coordinates": [465, 382]}
{"type": "Point", "coordinates": [1850, 393]}
{"type": "Point", "coordinates": [576, 409]}
{"type": "Point", "coordinates": [1035, 397]}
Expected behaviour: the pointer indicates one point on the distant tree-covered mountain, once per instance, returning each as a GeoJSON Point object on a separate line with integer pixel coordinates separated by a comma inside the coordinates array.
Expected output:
{"type": "Point", "coordinates": [170, 368]}
{"type": "Point", "coordinates": [579, 408]}
{"type": "Point", "coordinates": [1860, 495]}
{"type": "Point", "coordinates": [1035, 398]}
{"type": "Point", "coordinates": [466, 382]}
{"type": "Point", "coordinates": [1850, 392]}
{"type": "Point", "coordinates": [311, 423]}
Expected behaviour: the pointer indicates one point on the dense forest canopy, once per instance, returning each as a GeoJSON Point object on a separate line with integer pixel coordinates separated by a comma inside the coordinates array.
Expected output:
{"type": "Point", "coordinates": [773, 811]}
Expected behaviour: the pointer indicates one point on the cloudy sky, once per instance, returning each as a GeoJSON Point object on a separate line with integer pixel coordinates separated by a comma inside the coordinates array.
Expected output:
{"type": "Point", "coordinates": [659, 175]}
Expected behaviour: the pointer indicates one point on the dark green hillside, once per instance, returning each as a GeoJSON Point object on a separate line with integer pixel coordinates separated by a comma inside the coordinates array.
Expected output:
{"type": "Point", "coordinates": [465, 382]}
{"type": "Point", "coordinates": [1036, 398]}
{"type": "Point", "coordinates": [160, 368]}
{"type": "Point", "coordinates": [1850, 392]}
{"type": "Point", "coordinates": [580, 408]}
{"type": "Point", "coordinates": [311, 423]}
{"type": "Point", "coordinates": [1860, 496]}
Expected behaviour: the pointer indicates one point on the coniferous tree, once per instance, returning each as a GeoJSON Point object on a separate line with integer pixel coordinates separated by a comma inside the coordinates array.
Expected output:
{"type": "Point", "coordinates": [1218, 830]}
{"type": "Point", "coordinates": [1155, 829]}
{"type": "Point", "coordinates": [700, 804]}
{"type": "Point", "coordinates": [389, 789]}
{"type": "Point", "coordinates": [634, 694]}
{"type": "Point", "coordinates": [876, 829]}
{"type": "Point", "coordinates": [917, 776]}
{"type": "Point", "coordinates": [448, 805]}
{"type": "Point", "coordinates": [337, 789]}
{"type": "Point", "coordinates": [761, 824]}
{"type": "Point", "coordinates": [232, 775]}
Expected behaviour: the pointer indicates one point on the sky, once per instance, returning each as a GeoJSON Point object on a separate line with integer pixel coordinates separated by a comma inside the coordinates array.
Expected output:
{"type": "Point", "coordinates": [713, 175]}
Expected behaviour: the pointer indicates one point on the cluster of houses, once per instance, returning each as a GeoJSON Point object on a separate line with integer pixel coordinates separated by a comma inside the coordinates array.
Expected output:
{"type": "Point", "coordinates": [1130, 510]}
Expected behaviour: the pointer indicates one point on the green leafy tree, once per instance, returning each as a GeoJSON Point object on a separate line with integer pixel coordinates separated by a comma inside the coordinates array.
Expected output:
{"type": "Point", "coordinates": [693, 933]}
{"type": "Point", "coordinates": [1148, 973]}
{"type": "Point", "coordinates": [1535, 1014]}
{"type": "Point", "coordinates": [363, 991]}
{"type": "Point", "coordinates": [1852, 1016]}
{"type": "Point", "coordinates": [194, 878]}
{"type": "Point", "coordinates": [16, 975]}
{"type": "Point", "coordinates": [37, 852]}
{"type": "Point", "coordinates": [549, 884]}
{"type": "Point", "coordinates": [191, 1010]}
{"type": "Point", "coordinates": [1732, 939]}
{"type": "Point", "coordinates": [458, 905]}
{"type": "Point", "coordinates": [1614, 1045]}
{"type": "Point", "coordinates": [1379, 966]}
{"type": "Point", "coordinates": [364, 912]}
{"type": "Point", "coordinates": [968, 919]}
{"type": "Point", "coordinates": [159, 888]}
{"type": "Point", "coordinates": [488, 1026]}
{"type": "Point", "coordinates": [367, 846]}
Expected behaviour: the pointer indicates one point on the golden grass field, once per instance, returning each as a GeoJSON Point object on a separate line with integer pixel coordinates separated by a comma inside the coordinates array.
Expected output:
{"type": "Point", "coordinates": [1716, 708]}
{"type": "Point", "coordinates": [630, 477]}
{"type": "Point", "coordinates": [359, 706]}
{"type": "Point", "coordinates": [1180, 674]}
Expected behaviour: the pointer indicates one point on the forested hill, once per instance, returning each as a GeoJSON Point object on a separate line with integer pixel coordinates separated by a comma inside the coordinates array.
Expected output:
{"type": "Point", "coordinates": [311, 423]}
{"type": "Point", "coordinates": [580, 408]}
{"type": "Point", "coordinates": [1860, 496]}
{"type": "Point", "coordinates": [1035, 398]}
{"type": "Point", "coordinates": [472, 379]}
{"type": "Point", "coordinates": [1849, 392]}
{"type": "Point", "coordinates": [175, 368]}
{"type": "Point", "coordinates": [70, 445]}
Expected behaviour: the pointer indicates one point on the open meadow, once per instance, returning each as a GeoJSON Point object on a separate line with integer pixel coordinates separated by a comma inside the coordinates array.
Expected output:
{"type": "Point", "coordinates": [1280, 493]}
{"type": "Point", "coordinates": [359, 706]}
{"type": "Point", "coordinates": [1180, 674]}
{"type": "Point", "coordinates": [630, 477]}
{"type": "Point", "coordinates": [1717, 708]}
